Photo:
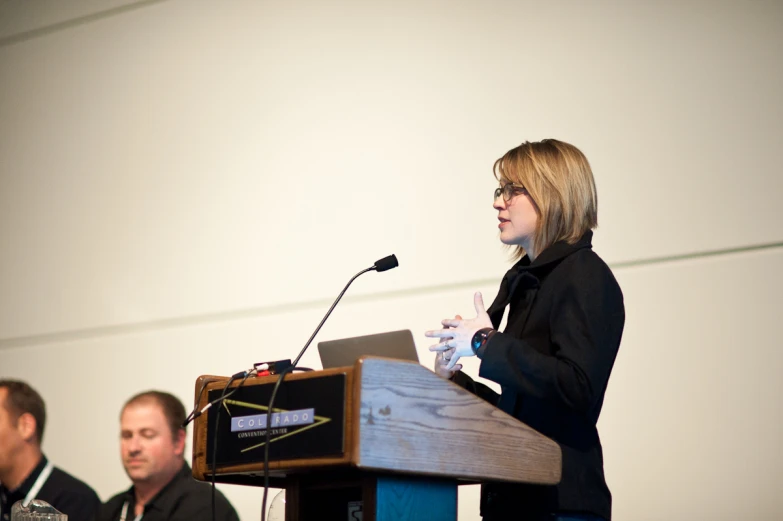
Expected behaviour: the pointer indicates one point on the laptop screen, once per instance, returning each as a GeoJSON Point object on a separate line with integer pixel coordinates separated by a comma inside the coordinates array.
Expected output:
{"type": "Point", "coordinates": [344, 352]}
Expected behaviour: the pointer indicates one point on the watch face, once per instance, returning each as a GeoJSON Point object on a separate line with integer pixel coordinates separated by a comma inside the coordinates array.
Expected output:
{"type": "Point", "coordinates": [478, 339]}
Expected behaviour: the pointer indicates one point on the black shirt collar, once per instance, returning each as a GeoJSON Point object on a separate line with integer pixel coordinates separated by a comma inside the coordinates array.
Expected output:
{"type": "Point", "coordinates": [526, 275]}
{"type": "Point", "coordinates": [556, 252]}
{"type": "Point", "coordinates": [9, 497]}
{"type": "Point", "coordinates": [163, 499]}
{"type": "Point", "coordinates": [29, 481]}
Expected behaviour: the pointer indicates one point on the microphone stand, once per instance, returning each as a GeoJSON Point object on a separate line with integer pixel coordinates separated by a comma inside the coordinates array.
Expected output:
{"type": "Point", "coordinates": [380, 265]}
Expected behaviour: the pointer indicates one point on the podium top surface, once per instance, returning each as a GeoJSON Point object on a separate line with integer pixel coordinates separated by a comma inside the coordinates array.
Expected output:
{"type": "Point", "coordinates": [398, 417]}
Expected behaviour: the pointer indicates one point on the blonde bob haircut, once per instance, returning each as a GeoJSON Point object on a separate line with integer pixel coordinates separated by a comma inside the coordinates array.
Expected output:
{"type": "Point", "coordinates": [558, 178]}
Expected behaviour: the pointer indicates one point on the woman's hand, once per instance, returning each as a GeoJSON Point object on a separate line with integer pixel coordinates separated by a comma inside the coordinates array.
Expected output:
{"type": "Point", "coordinates": [443, 358]}
{"type": "Point", "coordinates": [457, 335]}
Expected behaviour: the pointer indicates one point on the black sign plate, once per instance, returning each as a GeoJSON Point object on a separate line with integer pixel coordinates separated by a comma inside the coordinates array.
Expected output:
{"type": "Point", "coordinates": [307, 422]}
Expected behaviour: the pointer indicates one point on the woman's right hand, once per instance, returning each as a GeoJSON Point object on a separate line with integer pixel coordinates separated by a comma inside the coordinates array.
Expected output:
{"type": "Point", "coordinates": [442, 361]}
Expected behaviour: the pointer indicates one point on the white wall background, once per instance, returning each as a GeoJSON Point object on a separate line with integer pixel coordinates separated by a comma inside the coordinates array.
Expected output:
{"type": "Point", "coordinates": [185, 185]}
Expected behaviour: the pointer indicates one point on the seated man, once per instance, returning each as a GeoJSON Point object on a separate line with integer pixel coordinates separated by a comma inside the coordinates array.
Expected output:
{"type": "Point", "coordinates": [152, 445]}
{"type": "Point", "coordinates": [25, 473]}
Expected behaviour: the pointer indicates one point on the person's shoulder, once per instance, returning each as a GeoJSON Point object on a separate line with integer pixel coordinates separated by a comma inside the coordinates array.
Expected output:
{"type": "Point", "coordinates": [70, 495]}
{"type": "Point", "coordinates": [66, 482]}
{"type": "Point", "coordinates": [587, 261]}
{"type": "Point", "coordinates": [194, 499]}
{"type": "Point", "coordinates": [585, 269]}
{"type": "Point", "coordinates": [195, 488]}
{"type": "Point", "coordinates": [586, 258]}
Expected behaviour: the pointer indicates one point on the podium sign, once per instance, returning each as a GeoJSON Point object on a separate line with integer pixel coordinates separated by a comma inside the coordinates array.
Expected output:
{"type": "Point", "coordinates": [308, 421]}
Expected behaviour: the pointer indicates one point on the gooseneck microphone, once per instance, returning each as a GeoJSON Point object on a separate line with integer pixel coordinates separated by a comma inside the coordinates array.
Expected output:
{"type": "Point", "coordinates": [383, 264]}
{"type": "Point", "coordinates": [380, 265]}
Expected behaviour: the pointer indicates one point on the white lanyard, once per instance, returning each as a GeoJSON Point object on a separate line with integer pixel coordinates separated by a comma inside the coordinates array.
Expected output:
{"type": "Point", "coordinates": [42, 477]}
{"type": "Point", "coordinates": [124, 513]}
{"type": "Point", "coordinates": [39, 482]}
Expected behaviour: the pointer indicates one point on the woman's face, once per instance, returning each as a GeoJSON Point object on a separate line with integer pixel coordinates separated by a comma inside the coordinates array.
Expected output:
{"type": "Point", "coordinates": [518, 218]}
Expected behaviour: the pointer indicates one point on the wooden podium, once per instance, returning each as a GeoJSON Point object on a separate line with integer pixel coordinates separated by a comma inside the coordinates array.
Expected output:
{"type": "Point", "coordinates": [398, 441]}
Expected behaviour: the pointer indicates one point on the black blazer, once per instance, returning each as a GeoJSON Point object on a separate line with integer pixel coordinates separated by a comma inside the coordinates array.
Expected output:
{"type": "Point", "coordinates": [553, 361]}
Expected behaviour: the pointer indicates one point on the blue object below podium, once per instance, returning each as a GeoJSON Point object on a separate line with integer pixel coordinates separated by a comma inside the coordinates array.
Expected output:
{"type": "Point", "coordinates": [406, 499]}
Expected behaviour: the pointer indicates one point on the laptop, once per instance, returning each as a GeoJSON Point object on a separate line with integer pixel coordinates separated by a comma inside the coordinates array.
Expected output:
{"type": "Point", "coordinates": [344, 352]}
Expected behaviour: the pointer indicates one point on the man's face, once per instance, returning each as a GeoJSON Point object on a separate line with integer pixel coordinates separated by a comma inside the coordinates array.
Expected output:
{"type": "Point", "coordinates": [11, 439]}
{"type": "Point", "coordinates": [149, 451]}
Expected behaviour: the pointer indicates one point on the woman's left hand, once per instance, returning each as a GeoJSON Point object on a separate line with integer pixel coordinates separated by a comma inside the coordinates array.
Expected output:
{"type": "Point", "coordinates": [459, 333]}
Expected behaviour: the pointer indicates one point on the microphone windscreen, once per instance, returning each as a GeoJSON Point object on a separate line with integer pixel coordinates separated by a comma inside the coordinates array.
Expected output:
{"type": "Point", "coordinates": [386, 263]}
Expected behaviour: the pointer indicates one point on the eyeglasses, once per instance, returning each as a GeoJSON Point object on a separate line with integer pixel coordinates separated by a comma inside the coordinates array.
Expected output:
{"type": "Point", "coordinates": [508, 191]}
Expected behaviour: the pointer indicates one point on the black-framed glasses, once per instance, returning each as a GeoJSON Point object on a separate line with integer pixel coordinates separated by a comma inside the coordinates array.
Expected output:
{"type": "Point", "coordinates": [508, 191]}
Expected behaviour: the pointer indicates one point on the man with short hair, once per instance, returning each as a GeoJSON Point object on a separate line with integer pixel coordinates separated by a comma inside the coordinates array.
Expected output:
{"type": "Point", "coordinates": [25, 473]}
{"type": "Point", "coordinates": [152, 445]}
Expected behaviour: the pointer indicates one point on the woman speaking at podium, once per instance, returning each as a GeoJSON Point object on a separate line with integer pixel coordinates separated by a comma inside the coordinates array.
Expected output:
{"type": "Point", "coordinates": [565, 320]}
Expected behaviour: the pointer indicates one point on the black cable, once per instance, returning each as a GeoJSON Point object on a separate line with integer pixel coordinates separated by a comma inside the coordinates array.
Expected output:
{"type": "Point", "coordinates": [384, 264]}
{"type": "Point", "coordinates": [290, 368]}
{"type": "Point", "coordinates": [223, 396]}
{"type": "Point", "coordinates": [214, 446]}
{"type": "Point", "coordinates": [192, 416]}
{"type": "Point", "coordinates": [268, 436]}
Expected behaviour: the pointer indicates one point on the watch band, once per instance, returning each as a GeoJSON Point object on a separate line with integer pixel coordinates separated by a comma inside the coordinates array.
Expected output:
{"type": "Point", "coordinates": [480, 338]}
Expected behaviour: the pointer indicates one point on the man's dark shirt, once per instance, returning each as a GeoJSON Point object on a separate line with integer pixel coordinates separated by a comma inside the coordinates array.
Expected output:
{"type": "Point", "coordinates": [61, 490]}
{"type": "Point", "coordinates": [182, 499]}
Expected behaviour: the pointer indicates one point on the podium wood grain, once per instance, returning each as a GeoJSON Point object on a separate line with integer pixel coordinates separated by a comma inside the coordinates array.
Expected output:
{"type": "Point", "coordinates": [413, 421]}
{"type": "Point", "coordinates": [401, 418]}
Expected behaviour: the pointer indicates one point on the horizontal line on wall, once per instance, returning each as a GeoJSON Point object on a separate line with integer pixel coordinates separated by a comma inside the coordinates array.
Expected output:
{"type": "Point", "coordinates": [226, 316]}
{"type": "Point", "coordinates": [695, 255]}
{"type": "Point", "coordinates": [322, 304]}
{"type": "Point", "coordinates": [75, 22]}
